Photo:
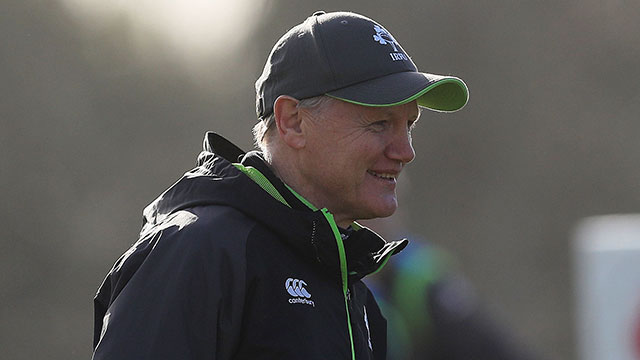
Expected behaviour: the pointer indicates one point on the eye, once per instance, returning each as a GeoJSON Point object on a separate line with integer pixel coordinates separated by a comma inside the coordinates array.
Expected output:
{"type": "Point", "coordinates": [379, 125]}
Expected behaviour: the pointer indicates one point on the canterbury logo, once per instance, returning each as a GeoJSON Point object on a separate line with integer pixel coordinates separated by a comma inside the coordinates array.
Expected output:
{"type": "Point", "coordinates": [296, 288]}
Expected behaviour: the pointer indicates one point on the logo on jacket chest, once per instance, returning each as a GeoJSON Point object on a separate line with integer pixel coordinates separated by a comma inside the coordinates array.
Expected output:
{"type": "Point", "coordinates": [297, 289]}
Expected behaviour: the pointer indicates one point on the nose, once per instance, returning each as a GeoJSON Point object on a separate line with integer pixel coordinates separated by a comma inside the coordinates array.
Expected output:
{"type": "Point", "coordinates": [400, 148]}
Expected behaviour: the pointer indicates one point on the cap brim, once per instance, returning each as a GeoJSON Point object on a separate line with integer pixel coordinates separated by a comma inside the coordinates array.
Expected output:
{"type": "Point", "coordinates": [436, 92]}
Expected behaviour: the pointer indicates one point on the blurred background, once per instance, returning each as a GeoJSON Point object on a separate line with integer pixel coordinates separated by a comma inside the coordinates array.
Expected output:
{"type": "Point", "coordinates": [104, 104]}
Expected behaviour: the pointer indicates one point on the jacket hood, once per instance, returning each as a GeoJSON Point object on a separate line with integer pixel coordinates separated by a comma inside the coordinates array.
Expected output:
{"type": "Point", "coordinates": [218, 180]}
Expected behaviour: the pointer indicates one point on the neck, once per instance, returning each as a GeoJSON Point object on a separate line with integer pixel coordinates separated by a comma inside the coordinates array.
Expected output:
{"type": "Point", "coordinates": [285, 168]}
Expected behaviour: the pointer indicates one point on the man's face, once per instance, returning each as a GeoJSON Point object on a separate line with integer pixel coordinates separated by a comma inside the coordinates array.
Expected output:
{"type": "Point", "coordinates": [353, 156]}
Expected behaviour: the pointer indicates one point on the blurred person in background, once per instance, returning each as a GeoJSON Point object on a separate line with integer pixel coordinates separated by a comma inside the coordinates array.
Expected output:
{"type": "Point", "coordinates": [432, 310]}
{"type": "Point", "coordinates": [257, 255]}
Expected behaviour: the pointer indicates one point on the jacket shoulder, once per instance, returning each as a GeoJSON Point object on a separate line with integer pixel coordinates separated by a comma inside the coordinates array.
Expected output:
{"type": "Point", "coordinates": [179, 289]}
{"type": "Point", "coordinates": [217, 225]}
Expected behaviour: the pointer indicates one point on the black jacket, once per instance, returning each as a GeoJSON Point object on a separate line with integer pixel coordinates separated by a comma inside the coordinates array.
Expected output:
{"type": "Point", "coordinates": [232, 264]}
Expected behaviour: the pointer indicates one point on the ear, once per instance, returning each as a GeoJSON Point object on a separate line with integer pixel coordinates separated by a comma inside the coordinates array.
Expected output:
{"type": "Point", "coordinates": [288, 121]}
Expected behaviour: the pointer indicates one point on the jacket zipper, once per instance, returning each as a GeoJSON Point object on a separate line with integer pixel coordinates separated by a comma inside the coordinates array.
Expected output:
{"type": "Point", "coordinates": [343, 274]}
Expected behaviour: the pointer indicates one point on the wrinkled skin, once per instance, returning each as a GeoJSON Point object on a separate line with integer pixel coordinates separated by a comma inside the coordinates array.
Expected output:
{"type": "Point", "coordinates": [353, 156]}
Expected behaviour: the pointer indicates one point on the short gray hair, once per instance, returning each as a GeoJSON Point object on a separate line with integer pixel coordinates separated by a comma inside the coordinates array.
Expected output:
{"type": "Point", "coordinates": [264, 126]}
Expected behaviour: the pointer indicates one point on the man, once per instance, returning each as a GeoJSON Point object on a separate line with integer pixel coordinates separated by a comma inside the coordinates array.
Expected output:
{"type": "Point", "coordinates": [257, 255]}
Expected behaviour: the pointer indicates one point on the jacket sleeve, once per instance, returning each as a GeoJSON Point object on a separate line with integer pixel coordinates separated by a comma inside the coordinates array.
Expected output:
{"type": "Point", "coordinates": [177, 294]}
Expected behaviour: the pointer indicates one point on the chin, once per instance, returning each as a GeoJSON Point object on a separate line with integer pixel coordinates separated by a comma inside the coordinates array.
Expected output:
{"type": "Point", "coordinates": [382, 210]}
{"type": "Point", "coordinates": [387, 213]}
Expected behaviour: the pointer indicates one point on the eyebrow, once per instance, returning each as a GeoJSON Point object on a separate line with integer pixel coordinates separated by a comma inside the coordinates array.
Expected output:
{"type": "Point", "coordinates": [389, 112]}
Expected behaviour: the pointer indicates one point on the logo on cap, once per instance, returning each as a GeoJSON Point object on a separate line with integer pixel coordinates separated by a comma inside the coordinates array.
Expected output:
{"type": "Point", "coordinates": [383, 37]}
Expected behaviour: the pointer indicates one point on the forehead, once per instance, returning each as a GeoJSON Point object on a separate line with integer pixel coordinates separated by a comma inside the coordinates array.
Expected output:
{"type": "Point", "coordinates": [409, 110]}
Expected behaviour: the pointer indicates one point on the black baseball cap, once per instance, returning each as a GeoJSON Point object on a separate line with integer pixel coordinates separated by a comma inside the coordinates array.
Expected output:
{"type": "Point", "coordinates": [352, 58]}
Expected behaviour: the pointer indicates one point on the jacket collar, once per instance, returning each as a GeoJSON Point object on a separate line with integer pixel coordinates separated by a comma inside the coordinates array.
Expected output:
{"type": "Point", "coordinates": [308, 232]}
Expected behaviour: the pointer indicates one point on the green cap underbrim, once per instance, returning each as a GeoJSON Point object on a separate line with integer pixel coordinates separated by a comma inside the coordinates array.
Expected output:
{"type": "Point", "coordinates": [441, 93]}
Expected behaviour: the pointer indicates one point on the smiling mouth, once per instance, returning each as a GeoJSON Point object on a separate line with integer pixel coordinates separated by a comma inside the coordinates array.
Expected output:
{"type": "Point", "coordinates": [383, 176]}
